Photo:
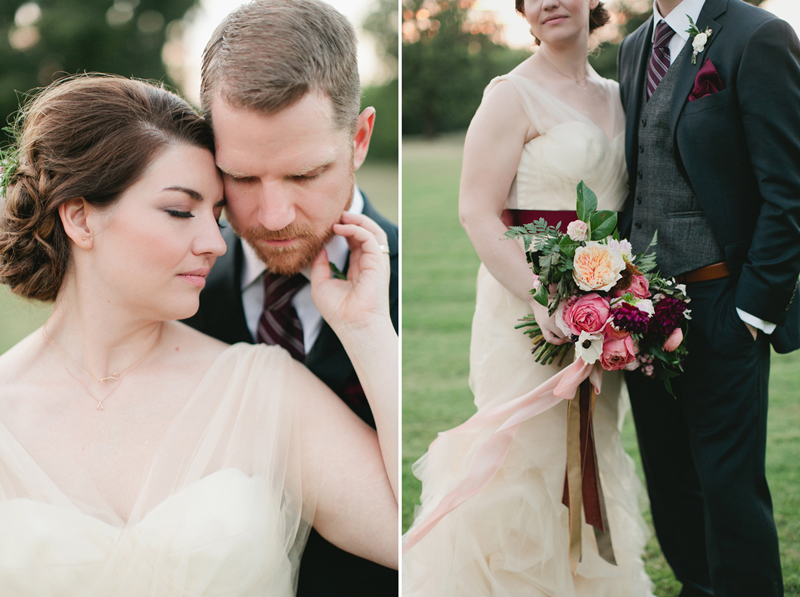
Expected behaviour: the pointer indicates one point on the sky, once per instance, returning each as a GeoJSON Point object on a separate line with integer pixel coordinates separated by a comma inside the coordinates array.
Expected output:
{"type": "Point", "coordinates": [202, 21]}
{"type": "Point", "coordinates": [517, 30]}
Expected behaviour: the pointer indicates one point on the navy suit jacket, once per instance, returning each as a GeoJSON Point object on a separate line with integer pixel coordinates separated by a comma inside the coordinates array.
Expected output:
{"type": "Point", "coordinates": [738, 149]}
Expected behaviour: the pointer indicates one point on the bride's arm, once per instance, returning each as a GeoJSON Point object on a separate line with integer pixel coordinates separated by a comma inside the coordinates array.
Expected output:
{"type": "Point", "coordinates": [344, 475]}
{"type": "Point", "coordinates": [492, 150]}
{"type": "Point", "coordinates": [351, 472]}
{"type": "Point", "coordinates": [357, 309]}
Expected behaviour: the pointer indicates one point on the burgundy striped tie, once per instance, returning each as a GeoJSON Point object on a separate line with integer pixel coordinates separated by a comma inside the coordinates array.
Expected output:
{"type": "Point", "coordinates": [279, 323]}
{"type": "Point", "coordinates": [659, 59]}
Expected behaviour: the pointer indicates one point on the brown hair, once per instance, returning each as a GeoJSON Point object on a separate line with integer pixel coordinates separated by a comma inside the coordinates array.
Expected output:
{"type": "Point", "coordinates": [598, 16]}
{"type": "Point", "coordinates": [268, 54]}
{"type": "Point", "coordinates": [89, 136]}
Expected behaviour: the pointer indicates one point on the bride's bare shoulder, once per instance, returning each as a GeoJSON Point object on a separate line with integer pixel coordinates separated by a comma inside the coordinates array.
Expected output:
{"type": "Point", "coordinates": [20, 358]}
{"type": "Point", "coordinates": [186, 340]}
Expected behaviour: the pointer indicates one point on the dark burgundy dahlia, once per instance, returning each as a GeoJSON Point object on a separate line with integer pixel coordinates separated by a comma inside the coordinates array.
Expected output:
{"type": "Point", "coordinates": [630, 319]}
{"type": "Point", "coordinates": [668, 316]}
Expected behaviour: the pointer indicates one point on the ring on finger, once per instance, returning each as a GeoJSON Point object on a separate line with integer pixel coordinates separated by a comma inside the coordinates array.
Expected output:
{"type": "Point", "coordinates": [384, 249]}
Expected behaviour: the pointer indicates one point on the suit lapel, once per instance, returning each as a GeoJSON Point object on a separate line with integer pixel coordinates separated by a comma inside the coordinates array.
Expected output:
{"type": "Point", "coordinates": [641, 54]}
{"type": "Point", "coordinates": [686, 77]}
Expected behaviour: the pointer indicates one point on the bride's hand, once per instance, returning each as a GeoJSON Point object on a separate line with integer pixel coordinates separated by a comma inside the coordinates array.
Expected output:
{"type": "Point", "coordinates": [550, 330]}
{"type": "Point", "coordinates": [363, 298]}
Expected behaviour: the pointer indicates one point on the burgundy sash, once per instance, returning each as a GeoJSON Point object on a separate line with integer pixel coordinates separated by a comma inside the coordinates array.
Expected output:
{"type": "Point", "coordinates": [520, 217]}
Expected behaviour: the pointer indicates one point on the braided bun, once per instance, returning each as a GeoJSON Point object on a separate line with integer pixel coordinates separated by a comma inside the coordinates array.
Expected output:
{"type": "Point", "coordinates": [90, 136]}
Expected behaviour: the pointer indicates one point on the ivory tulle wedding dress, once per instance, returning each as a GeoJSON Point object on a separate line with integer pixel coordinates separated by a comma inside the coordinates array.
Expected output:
{"type": "Point", "coordinates": [511, 539]}
{"type": "Point", "coordinates": [221, 510]}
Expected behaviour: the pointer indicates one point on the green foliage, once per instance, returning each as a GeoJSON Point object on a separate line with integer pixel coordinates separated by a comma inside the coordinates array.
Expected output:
{"type": "Point", "coordinates": [646, 260]}
{"type": "Point", "coordinates": [603, 224]}
{"type": "Point", "coordinates": [587, 202]}
{"type": "Point", "coordinates": [384, 98]}
{"type": "Point", "coordinates": [381, 23]}
{"type": "Point", "coordinates": [446, 70]}
{"type": "Point", "coordinates": [74, 36]}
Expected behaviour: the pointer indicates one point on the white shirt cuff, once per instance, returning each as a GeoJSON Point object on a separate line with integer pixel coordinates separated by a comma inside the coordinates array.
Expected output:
{"type": "Point", "coordinates": [756, 322]}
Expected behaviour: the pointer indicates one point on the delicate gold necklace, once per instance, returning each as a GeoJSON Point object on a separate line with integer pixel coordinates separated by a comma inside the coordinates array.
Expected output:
{"type": "Point", "coordinates": [558, 72]}
{"type": "Point", "coordinates": [115, 376]}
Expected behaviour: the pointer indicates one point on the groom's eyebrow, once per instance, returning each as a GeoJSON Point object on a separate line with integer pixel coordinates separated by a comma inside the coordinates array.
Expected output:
{"type": "Point", "coordinates": [231, 173]}
{"type": "Point", "coordinates": [191, 192]}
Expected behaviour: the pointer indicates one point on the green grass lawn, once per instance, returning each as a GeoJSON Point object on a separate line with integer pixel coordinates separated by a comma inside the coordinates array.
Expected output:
{"type": "Point", "coordinates": [439, 270]}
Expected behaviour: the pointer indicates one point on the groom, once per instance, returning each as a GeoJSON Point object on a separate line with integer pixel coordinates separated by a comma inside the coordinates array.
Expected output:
{"type": "Point", "coordinates": [280, 86]}
{"type": "Point", "coordinates": [713, 153]}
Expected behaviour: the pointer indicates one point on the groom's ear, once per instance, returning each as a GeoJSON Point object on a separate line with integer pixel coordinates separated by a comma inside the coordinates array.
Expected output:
{"type": "Point", "coordinates": [73, 214]}
{"type": "Point", "coordinates": [364, 125]}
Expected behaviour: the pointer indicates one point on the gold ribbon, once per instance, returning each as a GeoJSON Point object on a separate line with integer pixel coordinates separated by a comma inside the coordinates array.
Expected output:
{"type": "Point", "coordinates": [582, 480]}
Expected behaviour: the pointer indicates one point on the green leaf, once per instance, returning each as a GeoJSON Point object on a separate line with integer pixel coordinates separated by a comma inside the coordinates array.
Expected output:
{"type": "Point", "coordinates": [335, 273]}
{"type": "Point", "coordinates": [541, 295]}
{"type": "Point", "coordinates": [603, 224]}
{"type": "Point", "coordinates": [587, 202]}
{"type": "Point", "coordinates": [568, 246]}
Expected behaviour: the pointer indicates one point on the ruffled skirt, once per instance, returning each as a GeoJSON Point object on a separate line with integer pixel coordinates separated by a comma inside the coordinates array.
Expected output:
{"type": "Point", "coordinates": [511, 539]}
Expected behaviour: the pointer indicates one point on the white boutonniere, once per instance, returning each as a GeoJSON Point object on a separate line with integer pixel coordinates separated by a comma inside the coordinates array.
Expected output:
{"type": "Point", "coordinates": [699, 38]}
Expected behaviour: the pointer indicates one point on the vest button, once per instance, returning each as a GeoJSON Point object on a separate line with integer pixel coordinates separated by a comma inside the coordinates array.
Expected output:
{"type": "Point", "coordinates": [640, 174]}
{"type": "Point", "coordinates": [644, 122]}
{"type": "Point", "coordinates": [641, 149]}
{"type": "Point", "coordinates": [638, 201]}
{"type": "Point", "coordinates": [638, 225]}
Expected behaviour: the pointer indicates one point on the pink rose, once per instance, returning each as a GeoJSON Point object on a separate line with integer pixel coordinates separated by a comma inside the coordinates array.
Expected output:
{"type": "Point", "coordinates": [612, 332]}
{"type": "Point", "coordinates": [673, 341]}
{"type": "Point", "coordinates": [617, 354]}
{"type": "Point", "coordinates": [640, 287]}
{"type": "Point", "coordinates": [587, 314]}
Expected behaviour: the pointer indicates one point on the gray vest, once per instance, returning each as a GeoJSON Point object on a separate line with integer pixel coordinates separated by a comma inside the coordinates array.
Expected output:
{"type": "Point", "coordinates": [664, 200]}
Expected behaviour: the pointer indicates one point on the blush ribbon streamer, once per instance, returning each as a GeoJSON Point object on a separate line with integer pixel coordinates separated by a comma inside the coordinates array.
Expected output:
{"type": "Point", "coordinates": [507, 417]}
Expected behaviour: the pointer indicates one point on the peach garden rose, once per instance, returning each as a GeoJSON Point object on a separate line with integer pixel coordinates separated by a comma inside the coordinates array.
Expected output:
{"type": "Point", "coordinates": [597, 267]}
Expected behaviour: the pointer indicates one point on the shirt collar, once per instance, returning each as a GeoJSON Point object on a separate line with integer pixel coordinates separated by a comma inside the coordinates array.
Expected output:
{"type": "Point", "coordinates": [677, 19]}
{"type": "Point", "coordinates": [253, 267]}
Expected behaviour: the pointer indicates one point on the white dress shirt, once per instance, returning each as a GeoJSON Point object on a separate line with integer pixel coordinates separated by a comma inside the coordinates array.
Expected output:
{"type": "Point", "coordinates": [678, 20]}
{"type": "Point", "coordinates": [253, 284]}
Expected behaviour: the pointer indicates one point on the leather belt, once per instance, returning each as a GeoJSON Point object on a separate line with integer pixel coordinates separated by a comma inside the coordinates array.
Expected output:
{"type": "Point", "coordinates": [703, 274]}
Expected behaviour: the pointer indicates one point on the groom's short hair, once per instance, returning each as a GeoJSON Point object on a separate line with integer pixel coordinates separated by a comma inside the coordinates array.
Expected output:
{"type": "Point", "coordinates": [269, 54]}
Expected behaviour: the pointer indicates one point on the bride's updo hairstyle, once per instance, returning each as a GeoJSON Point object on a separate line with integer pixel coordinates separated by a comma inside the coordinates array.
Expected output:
{"type": "Point", "coordinates": [89, 136]}
{"type": "Point", "coordinates": [598, 16]}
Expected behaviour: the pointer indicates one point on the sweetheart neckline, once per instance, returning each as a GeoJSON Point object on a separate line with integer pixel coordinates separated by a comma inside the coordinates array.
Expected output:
{"type": "Point", "coordinates": [194, 486]}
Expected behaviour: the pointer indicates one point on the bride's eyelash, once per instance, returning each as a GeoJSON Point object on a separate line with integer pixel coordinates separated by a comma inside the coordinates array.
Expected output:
{"type": "Point", "coordinates": [180, 214]}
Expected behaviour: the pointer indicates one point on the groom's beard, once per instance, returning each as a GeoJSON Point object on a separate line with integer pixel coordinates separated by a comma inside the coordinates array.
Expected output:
{"type": "Point", "coordinates": [287, 261]}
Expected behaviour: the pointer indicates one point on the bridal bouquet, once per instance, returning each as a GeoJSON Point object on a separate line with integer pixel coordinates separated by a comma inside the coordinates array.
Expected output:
{"type": "Point", "coordinates": [614, 306]}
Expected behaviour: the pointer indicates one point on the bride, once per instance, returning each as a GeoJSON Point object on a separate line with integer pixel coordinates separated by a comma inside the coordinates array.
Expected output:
{"type": "Point", "coordinates": [549, 123]}
{"type": "Point", "coordinates": [138, 456]}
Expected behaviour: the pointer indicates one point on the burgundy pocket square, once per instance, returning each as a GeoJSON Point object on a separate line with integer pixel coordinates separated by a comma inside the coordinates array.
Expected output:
{"type": "Point", "coordinates": [707, 82]}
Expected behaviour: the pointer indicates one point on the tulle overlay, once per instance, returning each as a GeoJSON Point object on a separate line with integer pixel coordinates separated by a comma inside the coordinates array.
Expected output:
{"type": "Point", "coordinates": [511, 539]}
{"type": "Point", "coordinates": [220, 512]}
